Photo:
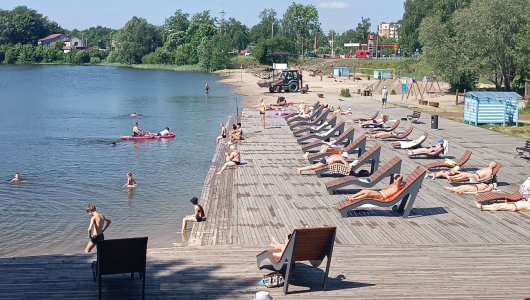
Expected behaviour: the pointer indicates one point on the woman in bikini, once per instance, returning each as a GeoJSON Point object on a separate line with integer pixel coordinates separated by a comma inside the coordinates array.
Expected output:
{"type": "Point", "coordinates": [130, 181]}
{"type": "Point", "coordinates": [324, 161]}
{"type": "Point", "coordinates": [233, 158]}
{"type": "Point", "coordinates": [223, 133]}
{"type": "Point", "coordinates": [475, 176]}
{"type": "Point", "coordinates": [383, 194]}
{"type": "Point", "coordinates": [262, 110]}
{"type": "Point", "coordinates": [443, 173]}
{"type": "Point", "coordinates": [509, 206]}
{"type": "Point", "coordinates": [437, 148]}
{"type": "Point", "coordinates": [198, 216]}
{"type": "Point", "coordinates": [472, 188]}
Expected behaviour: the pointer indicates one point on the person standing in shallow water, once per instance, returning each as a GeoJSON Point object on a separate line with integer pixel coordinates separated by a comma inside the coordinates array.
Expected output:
{"type": "Point", "coordinates": [206, 88]}
{"type": "Point", "coordinates": [98, 224]}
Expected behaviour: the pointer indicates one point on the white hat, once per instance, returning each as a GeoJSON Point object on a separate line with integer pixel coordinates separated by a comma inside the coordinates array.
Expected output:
{"type": "Point", "coordinates": [384, 86]}
{"type": "Point", "coordinates": [263, 295]}
{"type": "Point", "coordinates": [345, 154]}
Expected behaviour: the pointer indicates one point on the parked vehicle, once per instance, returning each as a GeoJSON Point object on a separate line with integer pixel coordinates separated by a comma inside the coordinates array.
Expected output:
{"type": "Point", "coordinates": [363, 54]}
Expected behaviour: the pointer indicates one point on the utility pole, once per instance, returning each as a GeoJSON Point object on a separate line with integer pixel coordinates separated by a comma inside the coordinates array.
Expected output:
{"type": "Point", "coordinates": [272, 29]}
{"type": "Point", "coordinates": [222, 12]}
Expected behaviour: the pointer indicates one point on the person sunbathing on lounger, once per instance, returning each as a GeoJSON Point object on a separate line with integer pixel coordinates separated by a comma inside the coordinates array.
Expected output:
{"type": "Point", "coordinates": [374, 121]}
{"type": "Point", "coordinates": [475, 176]}
{"type": "Point", "coordinates": [509, 206]}
{"type": "Point", "coordinates": [443, 173]}
{"type": "Point", "coordinates": [324, 161]}
{"type": "Point", "coordinates": [383, 194]}
{"type": "Point", "coordinates": [433, 149]}
{"type": "Point", "coordinates": [383, 135]}
{"type": "Point", "coordinates": [472, 188]}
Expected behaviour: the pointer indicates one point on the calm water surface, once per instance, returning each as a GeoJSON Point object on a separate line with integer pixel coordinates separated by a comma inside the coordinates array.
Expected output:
{"type": "Point", "coordinates": [57, 127]}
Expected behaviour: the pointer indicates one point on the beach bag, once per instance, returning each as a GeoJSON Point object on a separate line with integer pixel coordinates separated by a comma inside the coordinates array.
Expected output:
{"type": "Point", "coordinates": [525, 189]}
{"type": "Point", "coordinates": [273, 279]}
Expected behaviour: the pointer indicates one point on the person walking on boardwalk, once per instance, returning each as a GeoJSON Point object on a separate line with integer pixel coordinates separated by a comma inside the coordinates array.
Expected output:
{"type": "Point", "coordinates": [98, 224]}
{"type": "Point", "coordinates": [223, 133]}
{"type": "Point", "coordinates": [198, 216]}
{"type": "Point", "coordinates": [262, 109]}
{"type": "Point", "coordinates": [384, 97]}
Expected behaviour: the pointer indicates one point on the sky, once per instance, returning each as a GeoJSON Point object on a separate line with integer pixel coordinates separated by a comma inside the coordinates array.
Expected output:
{"type": "Point", "coordinates": [338, 15]}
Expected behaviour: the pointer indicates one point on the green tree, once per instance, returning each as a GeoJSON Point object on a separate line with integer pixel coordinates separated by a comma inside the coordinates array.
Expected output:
{"type": "Point", "coordinates": [97, 36]}
{"type": "Point", "coordinates": [213, 53]}
{"type": "Point", "coordinates": [238, 34]}
{"type": "Point", "coordinates": [201, 26]}
{"type": "Point", "coordinates": [265, 48]}
{"type": "Point", "coordinates": [25, 26]}
{"type": "Point", "coordinates": [136, 39]}
{"type": "Point", "coordinates": [301, 22]}
{"type": "Point", "coordinates": [160, 56]}
{"type": "Point", "coordinates": [264, 29]}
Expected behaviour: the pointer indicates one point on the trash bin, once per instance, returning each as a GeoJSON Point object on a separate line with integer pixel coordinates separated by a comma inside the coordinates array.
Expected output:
{"type": "Point", "coordinates": [434, 121]}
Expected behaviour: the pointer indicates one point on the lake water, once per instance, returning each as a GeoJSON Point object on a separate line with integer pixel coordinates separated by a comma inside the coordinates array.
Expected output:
{"type": "Point", "coordinates": [57, 128]}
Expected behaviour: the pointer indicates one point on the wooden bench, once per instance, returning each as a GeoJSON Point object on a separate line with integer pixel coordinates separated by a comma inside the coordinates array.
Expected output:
{"type": "Point", "coordinates": [423, 102]}
{"type": "Point", "coordinates": [434, 103]}
{"type": "Point", "coordinates": [312, 244]}
{"type": "Point", "coordinates": [120, 256]}
{"type": "Point", "coordinates": [524, 151]}
{"type": "Point", "coordinates": [491, 197]}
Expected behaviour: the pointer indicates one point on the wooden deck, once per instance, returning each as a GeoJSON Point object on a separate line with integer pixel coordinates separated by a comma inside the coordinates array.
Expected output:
{"type": "Point", "coordinates": [446, 249]}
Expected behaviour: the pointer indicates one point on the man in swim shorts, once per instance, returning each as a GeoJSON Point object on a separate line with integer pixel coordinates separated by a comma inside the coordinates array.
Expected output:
{"type": "Point", "coordinates": [381, 195]}
{"type": "Point", "coordinates": [98, 224]}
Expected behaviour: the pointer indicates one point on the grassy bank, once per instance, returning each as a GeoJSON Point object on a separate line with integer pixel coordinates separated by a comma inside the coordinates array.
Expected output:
{"type": "Point", "coordinates": [185, 68]}
{"type": "Point", "coordinates": [523, 131]}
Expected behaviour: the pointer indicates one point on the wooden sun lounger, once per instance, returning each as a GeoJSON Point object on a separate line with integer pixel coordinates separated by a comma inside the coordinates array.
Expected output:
{"type": "Point", "coordinates": [311, 117]}
{"type": "Point", "coordinates": [524, 151]}
{"type": "Point", "coordinates": [373, 125]}
{"type": "Point", "coordinates": [387, 170]}
{"type": "Point", "coordinates": [459, 162]}
{"type": "Point", "coordinates": [292, 118]}
{"type": "Point", "coordinates": [321, 118]}
{"type": "Point", "coordinates": [337, 130]}
{"type": "Point", "coordinates": [415, 117]}
{"type": "Point", "coordinates": [402, 136]}
{"type": "Point", "coordinates": [120, 256]}
{"type": "Point", "coordinates": [405, 197]}
{"type": "Point", "coordinates": [490, 179]}
{"type": "Point", "coordinates": [356, 146]}
{"type": "Point", "coordinates": [359, 120]}
{"type": "Point", "coordinates": [385, 129]}
{"type": "Point", "coordinates": [417, 144]}
{"type": "Point", "coordinates": [327, 125]}
{"type": "Point", "coordinates": [370, 156]}
{"type": "Point", "coordinates": [342, 139]}
{"type": "Point", "coordinates": [492, 197]}
{"type": "Point", "coordinates": [312, 244]}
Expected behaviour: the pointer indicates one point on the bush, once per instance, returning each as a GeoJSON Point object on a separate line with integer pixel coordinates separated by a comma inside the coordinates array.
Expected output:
{"type": "Point", "coordinates": [393, 92]}
{"type": "Point", "coordinates": [160, 56]}
{"type": "Point", "coordinates": [345, 93]}
{"type": "Point", "coordinates": [95, 60]}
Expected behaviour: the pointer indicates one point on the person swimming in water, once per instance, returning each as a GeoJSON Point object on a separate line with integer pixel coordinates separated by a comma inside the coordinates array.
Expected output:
{"type": "Point", "coordinates": [134, 114]}
{"type": "Point", "coordinates": [130, 181]}
{"type": "Point", "coordinates": [17, 178]}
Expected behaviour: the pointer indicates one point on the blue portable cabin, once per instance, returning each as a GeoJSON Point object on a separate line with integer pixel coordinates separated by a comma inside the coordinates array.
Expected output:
{"type": "Point", "coordinates": [491, 108]}
{"type": "Point", "coordinates": [341, 71]}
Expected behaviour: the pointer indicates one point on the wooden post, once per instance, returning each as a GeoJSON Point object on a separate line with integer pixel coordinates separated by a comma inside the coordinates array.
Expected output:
{"type": "Point", "coordinates": [456, 100]}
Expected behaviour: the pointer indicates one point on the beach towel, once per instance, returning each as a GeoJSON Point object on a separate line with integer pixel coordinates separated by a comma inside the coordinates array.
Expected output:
{"type": "Point", "coordinates": [524, 189]}
{"type": "Point", "coordinates": [408, 144]}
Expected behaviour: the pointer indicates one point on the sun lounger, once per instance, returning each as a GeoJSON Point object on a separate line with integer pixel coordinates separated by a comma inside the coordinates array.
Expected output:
{"type": "Point", "coordinates": [402, 136]}
{"type": "Point", "coordinates": [326, 125]}
{"type": "Point", "coordinates": [385, 129]}
{"type": "Point", "coordinates": [337, 130]}
{"type": "Point", "coordinates": [342, 140]}
{"type": "Point", "coordinates": [356, 146]}
{"type": "Point", "coordinates": [405, 197]}
{"type": "Point", "coordinates": [411, 144]}
{"type": "Point", "coordinates": [312, 244]}
{"type": "Point", "coordinates": [370, 156]}
{"type": "Point", "coordinates": [120, 256]}
{"type": "Point", "coordinates": [495, 197]}
{"type": "Point", "coordinates": [311, 117]}
{"type": "Point", "coordinates": [524, 151]}
{"type": "Point", "coordinates": [292, 118]}
{"type": "Point", "coordinates": [415, 117]}
{"type": "Point", "coordinates": [375, 124]}
{"type": "Point", "coordinates": [319, 119]}
{"type": "Point", "coordinates": [387, 170]}
{"type": "Point", "coordinates": [442, 165]}
{"type": "Point", "coordinates": [359, 120]}
{"type": "Point", "coordinates": [491, 179]}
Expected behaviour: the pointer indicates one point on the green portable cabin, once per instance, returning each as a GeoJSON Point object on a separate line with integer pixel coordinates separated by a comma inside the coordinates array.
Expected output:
{"type": "Point", "coordinates": [491, 108]}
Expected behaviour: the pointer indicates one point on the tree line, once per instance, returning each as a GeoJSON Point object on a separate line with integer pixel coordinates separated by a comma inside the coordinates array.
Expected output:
{"type": "Point", "coordinates": [467, 40]}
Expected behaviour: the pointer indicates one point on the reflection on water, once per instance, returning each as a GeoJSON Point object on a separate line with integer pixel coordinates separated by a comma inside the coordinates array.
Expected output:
{"type": "Point", "coordinates": [62, 126]}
